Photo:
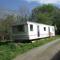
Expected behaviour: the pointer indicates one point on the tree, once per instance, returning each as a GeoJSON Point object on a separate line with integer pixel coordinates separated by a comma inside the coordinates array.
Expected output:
{"type": "Point", "coordinates": [23, 12]}
{"type": "Point", "coordinates": [5, 26]}
{"type": "Point", "coordinates": [56, 20]}
{"type": "Point", "coordinates": [43, 14]}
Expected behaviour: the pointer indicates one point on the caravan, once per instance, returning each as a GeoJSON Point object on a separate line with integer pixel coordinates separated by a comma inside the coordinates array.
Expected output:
{"type": "Point", "coordinates": [31, 30]}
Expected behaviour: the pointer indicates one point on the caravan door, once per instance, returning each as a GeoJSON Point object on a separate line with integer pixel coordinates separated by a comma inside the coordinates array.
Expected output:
{"type": "Point", "coordinates": [38, 31]}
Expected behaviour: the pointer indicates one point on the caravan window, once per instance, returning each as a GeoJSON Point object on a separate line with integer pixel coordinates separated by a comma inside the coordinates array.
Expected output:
{"type": "Point", "coordinates": [44, 28]}
{"type": "Point", "coordinates": [31, 27]}
{"type": "Point", "coordinates": [18, 28]}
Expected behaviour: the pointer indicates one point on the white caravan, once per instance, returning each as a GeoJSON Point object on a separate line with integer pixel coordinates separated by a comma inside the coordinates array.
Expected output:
{"type": "Point", "coordinates": [31, 30]}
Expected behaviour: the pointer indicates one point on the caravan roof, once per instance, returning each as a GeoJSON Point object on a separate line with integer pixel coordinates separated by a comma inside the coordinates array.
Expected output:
{"type": "Point", "coordinates": [27, 22]}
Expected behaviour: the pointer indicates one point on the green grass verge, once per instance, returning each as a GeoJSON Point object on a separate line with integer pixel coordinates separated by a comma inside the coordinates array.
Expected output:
{"type": "Point", "coordinates": [10, 50]}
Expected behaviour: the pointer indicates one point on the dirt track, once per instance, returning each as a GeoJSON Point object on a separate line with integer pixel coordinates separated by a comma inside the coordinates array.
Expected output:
{"type": "Point", "coordinates": [50, 51]}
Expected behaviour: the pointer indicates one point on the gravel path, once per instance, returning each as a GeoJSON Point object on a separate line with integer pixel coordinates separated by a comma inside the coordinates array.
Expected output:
{"type": "Point", "coordinates": [50, 51]}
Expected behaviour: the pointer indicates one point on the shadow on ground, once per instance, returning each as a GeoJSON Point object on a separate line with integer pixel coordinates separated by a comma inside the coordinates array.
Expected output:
{"type": "Point", "coordinates": [7, 42]}
{"type": "Point", "coordinates": [57, 56]}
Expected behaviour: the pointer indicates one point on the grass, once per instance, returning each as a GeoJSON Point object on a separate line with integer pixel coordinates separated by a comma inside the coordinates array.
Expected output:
{"type": "Point", "coordinates": [10, 50]}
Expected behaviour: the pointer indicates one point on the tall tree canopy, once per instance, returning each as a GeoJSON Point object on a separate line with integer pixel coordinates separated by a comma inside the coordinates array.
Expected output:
{"type": "Point", "coordinates": [43, 14]}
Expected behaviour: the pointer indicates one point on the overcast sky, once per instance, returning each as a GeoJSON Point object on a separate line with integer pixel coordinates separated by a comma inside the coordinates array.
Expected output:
{"type": "Point", "coordinates": [45, 1]}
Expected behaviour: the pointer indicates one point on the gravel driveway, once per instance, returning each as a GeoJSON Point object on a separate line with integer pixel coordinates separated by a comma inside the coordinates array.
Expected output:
{"type": "Point", "coordinates": [50, 51]}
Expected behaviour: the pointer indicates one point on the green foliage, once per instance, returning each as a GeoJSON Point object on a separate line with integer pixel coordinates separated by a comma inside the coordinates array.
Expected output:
{"type": "Point", "coordinates": [56, 20]}
{"type": "Point", "coordinates": [5, 26]}
{"type": "Point", "coordinates": [44, 14]}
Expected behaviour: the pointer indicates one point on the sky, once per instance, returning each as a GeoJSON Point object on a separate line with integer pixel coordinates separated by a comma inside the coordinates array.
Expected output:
{"type": "Point", "coordinates": [10, 4]}
{"type": "Point", "coordinates": [45, 1]}
{"type": "Point", "coordinates": [15, 4]}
